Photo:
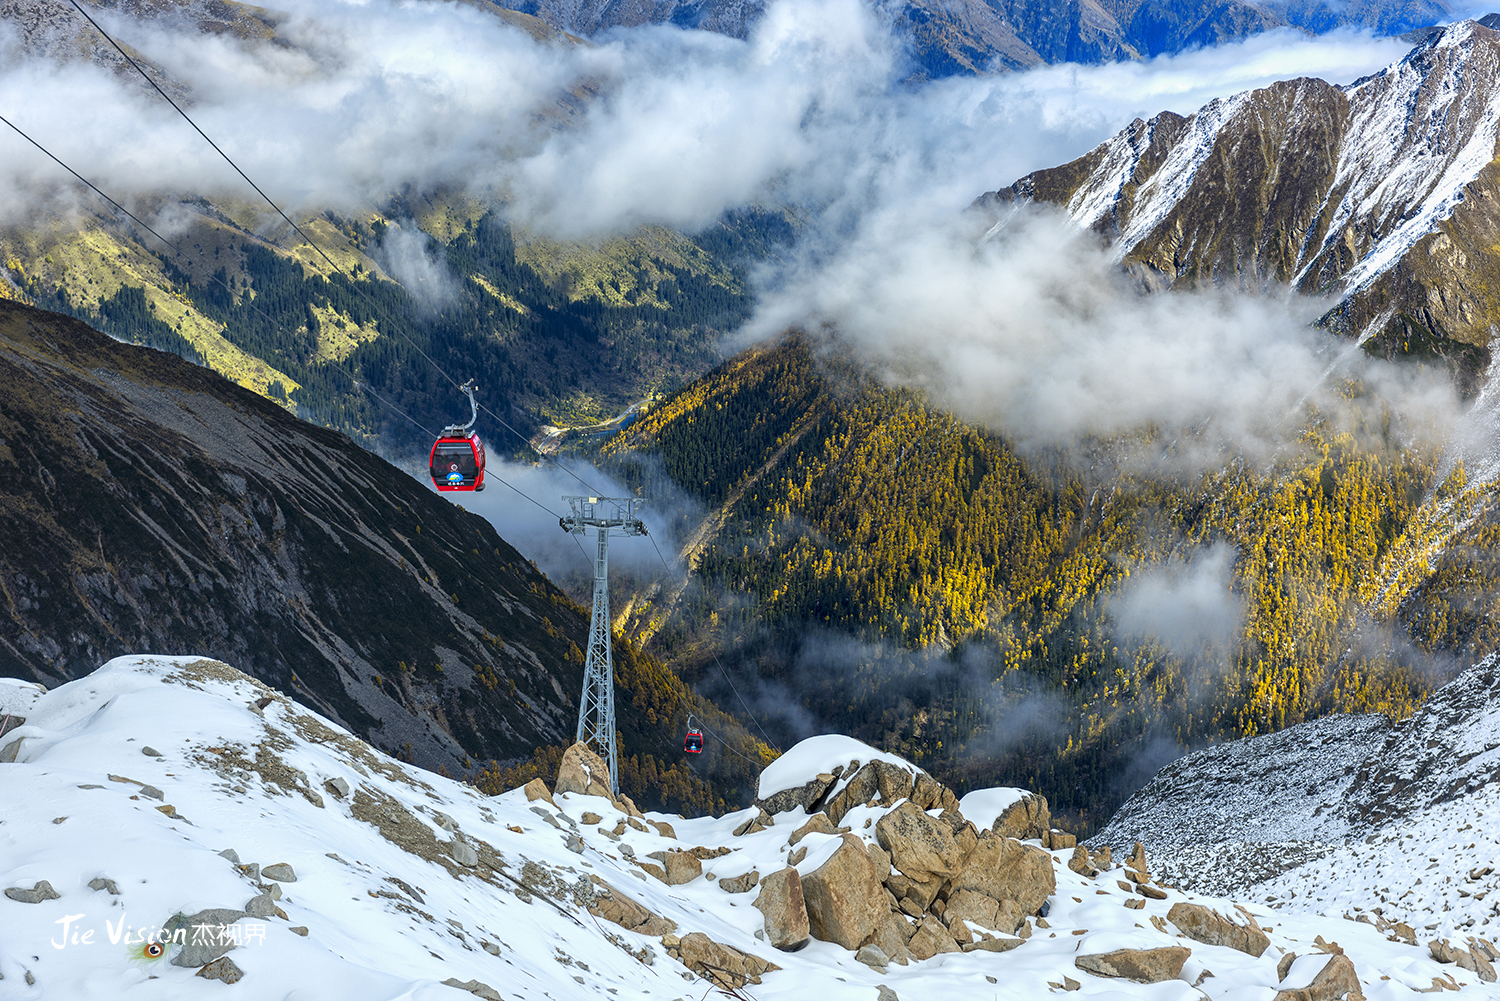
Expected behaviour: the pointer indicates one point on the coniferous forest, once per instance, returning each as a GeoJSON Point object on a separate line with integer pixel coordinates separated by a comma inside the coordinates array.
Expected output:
{"type": "Point", "coordinates": [889, 570]}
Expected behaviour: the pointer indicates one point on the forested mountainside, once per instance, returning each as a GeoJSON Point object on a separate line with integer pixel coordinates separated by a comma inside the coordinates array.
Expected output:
{"type": "Point", "coordinates": [872, 560]}
{"type": "Point", "coordinates": [1381, 195]}
{"type": "Point", "coordinates": [149, 505]}
{"type": "Point", "coordinates": [979, 36]}
{"type": "Point", "coordinates": [552, 332]}
{"type": "Point", "coordinates": [556, 333]}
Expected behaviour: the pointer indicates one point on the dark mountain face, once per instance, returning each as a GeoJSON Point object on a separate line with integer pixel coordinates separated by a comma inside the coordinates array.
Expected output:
{"type": "Point", "coordinates": [147, 505]}
{"type": "Point", "coordinates": [976, 36]}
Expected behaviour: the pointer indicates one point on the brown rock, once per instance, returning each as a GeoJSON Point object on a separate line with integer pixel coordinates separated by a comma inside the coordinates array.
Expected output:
{"type": "Point", "coordinates": [890, 935]}
{"type": "Point", "coordinates": [664, 829]}
{"type": "Point", "coordinates": [1147, 890]}
{"type": "Point", "coordinates": [1137, 861]}
{"type": "Point", "coordinates": [920, 892]}
{"type": "Point", "coordinates": [1145, 966]}
{"type": "Point", "coordinates": [1006, 869]}
{"type": "Point", "coordinates": [613, 905]}
{"type": "Point", "coordinates": [589, 817]}
{"type": "Point", "coordinates": [1080, 864]}
{"type": "Point", "coordinates": [627, 806]}
{"type": "Point", "coordinates": [583, 771]}
{"type": "Point", "coordinates": [1056, 840]}
{"type": "Point", "coordinates": [931, 938]}
{"type": "Point", "coordinates": [724, 965]}
{"type": "Point", "coordinates": [990, 943]}
{"type": "Point", "coordinates": [818, 823]}
{"type": "Point", "coordinates": [755, 824]}
{"type": "Point", "coordinates": [781, 903]}
{"type": "Point", "coordinates": [926, 791]}
{"type": "Point", "coordinates": [1284, 966]}
{"type": "Point", "coordinates": [1211, 928]}
{"type": "Point", "coordinates": [1026, 818]}
{"type": "Point", "coordinates": [1135, 904]}
{"type": "Point", "coordinates": [1336, 980]}
{"type": "Point", "coordinates": [478, 988]}
{"type": "Point", "coordinates": [920, 846]}
{"type": "Point", "coordinates": [861, 789]}
{"type": "Point", "coordinates": [844, 896]}
{"type": "Point", "coordinates": [681, 867]}
{"type": "Point", "coordinates": [1103, 858]}
{"type": "Point", "coordinates": [1475, 960]}
{"type": "Point", "coordinates": [537, 789]}
{"type": "Point", "coordinates": [808, 796]}
{"type": "Point", "coordinates": [223, 969]}
{"type": "Point", "coordinates": [740, 884]}
{"type": "Point", "coordinates": [973, 907]}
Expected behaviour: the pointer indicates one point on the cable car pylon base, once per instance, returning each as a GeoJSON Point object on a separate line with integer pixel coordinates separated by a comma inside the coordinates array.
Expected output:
{"type": "Point", "coordinates": [596, 710]}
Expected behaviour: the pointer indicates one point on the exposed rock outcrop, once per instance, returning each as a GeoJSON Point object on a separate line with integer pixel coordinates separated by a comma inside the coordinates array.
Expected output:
{"type": "Point", "coordinates": [1145, 966]}
{"type": "Point", "coordinates": [844, 896]}
{"type": "Point", "coordinates": [1211, 928]}
{"type": "Point", "coordinates": [785, 909]}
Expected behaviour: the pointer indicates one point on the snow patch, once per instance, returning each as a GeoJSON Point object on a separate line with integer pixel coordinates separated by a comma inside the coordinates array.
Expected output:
{"type": "Point", "coordinates": [808, 759]}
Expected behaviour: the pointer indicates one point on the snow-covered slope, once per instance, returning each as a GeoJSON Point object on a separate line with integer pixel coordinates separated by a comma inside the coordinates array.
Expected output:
{"type": "Point", "coordinates": [129, 785]}
{"type": "Point", "coordinates": [1343, 814]}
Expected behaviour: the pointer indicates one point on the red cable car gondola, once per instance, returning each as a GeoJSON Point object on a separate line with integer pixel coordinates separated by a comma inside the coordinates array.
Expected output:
{"type": "Point", "coordinates": [693, 742]}
{"type": "Point", "coordinates": [457, 459]}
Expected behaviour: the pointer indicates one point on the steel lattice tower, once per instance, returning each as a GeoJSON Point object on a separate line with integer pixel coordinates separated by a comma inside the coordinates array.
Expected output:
{"type": "Point", "coordinates": [596, 711]}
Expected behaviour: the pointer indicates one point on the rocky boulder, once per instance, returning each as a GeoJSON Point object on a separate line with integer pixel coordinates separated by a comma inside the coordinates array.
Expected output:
{"type": "Point", "coordinates": [844, 896]}
{"type": "Point", "coordinates": [1025, 819]}
{"type": "Point", "coordinates": [878, 781]}
{"type": "Point", "coordinates": [784, 908]}
{"type": "Point", "coordinates": [718, 963]}
{"type": "Point", "coordinates": [890, 936]}
{"type": "Point", "coordinates": [1335, 980]}
{"type": "Point", "coordinates": [931, 938]}
{"type": "Point", "coordinates": [921, 846]}
{"type": "Point", "coordinates": [809, 795]}
{"type": "Point", "coordinates": [1211, 928]}
{"type": "Point", "coordinates": [1145, 966]}
{"type": "Point", "coordinates": [612, 905]}
{"type": "Point", "coordinates": [973, 908]}
{"type": "Point", "coordinates": [584, 772]}
{"type": "Point", "coordinates": [1005, 869]}
{"type": "Point", "coordinates": [818, 823]}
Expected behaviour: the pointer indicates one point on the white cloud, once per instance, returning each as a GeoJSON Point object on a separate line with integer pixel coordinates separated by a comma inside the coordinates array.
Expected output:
{"type": "Point", "coordinates": [1031, 334]}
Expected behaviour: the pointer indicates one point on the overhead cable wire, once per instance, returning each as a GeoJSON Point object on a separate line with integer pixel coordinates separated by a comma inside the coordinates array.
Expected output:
{"type": "Point", "coordinates": [86, 181]}
{"type": "Point", "coordinates": [298, 229]}
{"type": "Point", "coordinates": [395, 327]}
{"type": "Point", "coordinates": [715, 656]}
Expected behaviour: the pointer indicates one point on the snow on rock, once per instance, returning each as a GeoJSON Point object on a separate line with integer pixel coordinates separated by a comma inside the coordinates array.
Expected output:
{"type": "Point", "coordinates": [819, 755]}
{"type": "Point", "coordinates": [413, 886]}
{"type": "Point", "coordinates": [17, 696]}
{"type": "Point", "coordinates": [983, 807]}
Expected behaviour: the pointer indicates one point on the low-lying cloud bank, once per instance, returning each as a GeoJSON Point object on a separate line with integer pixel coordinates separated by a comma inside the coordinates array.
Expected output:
{"type": "Point", "coordinates": [1030, 332]}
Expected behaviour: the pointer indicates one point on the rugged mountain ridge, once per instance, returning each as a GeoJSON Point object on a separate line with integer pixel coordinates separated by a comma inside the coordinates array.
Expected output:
{"type": "Point", "coordinates": [148, 505]}
{"type": "Point", "coordinates": [978, 36]}
{"type": "Point", "coordinates": [1384, 194]}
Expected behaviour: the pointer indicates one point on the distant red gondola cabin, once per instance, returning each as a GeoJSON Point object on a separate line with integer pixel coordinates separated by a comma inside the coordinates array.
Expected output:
{"type": "Point", "coordinates": [457, 462]}
{"type": "Point", "coordinates": [693, 742]}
